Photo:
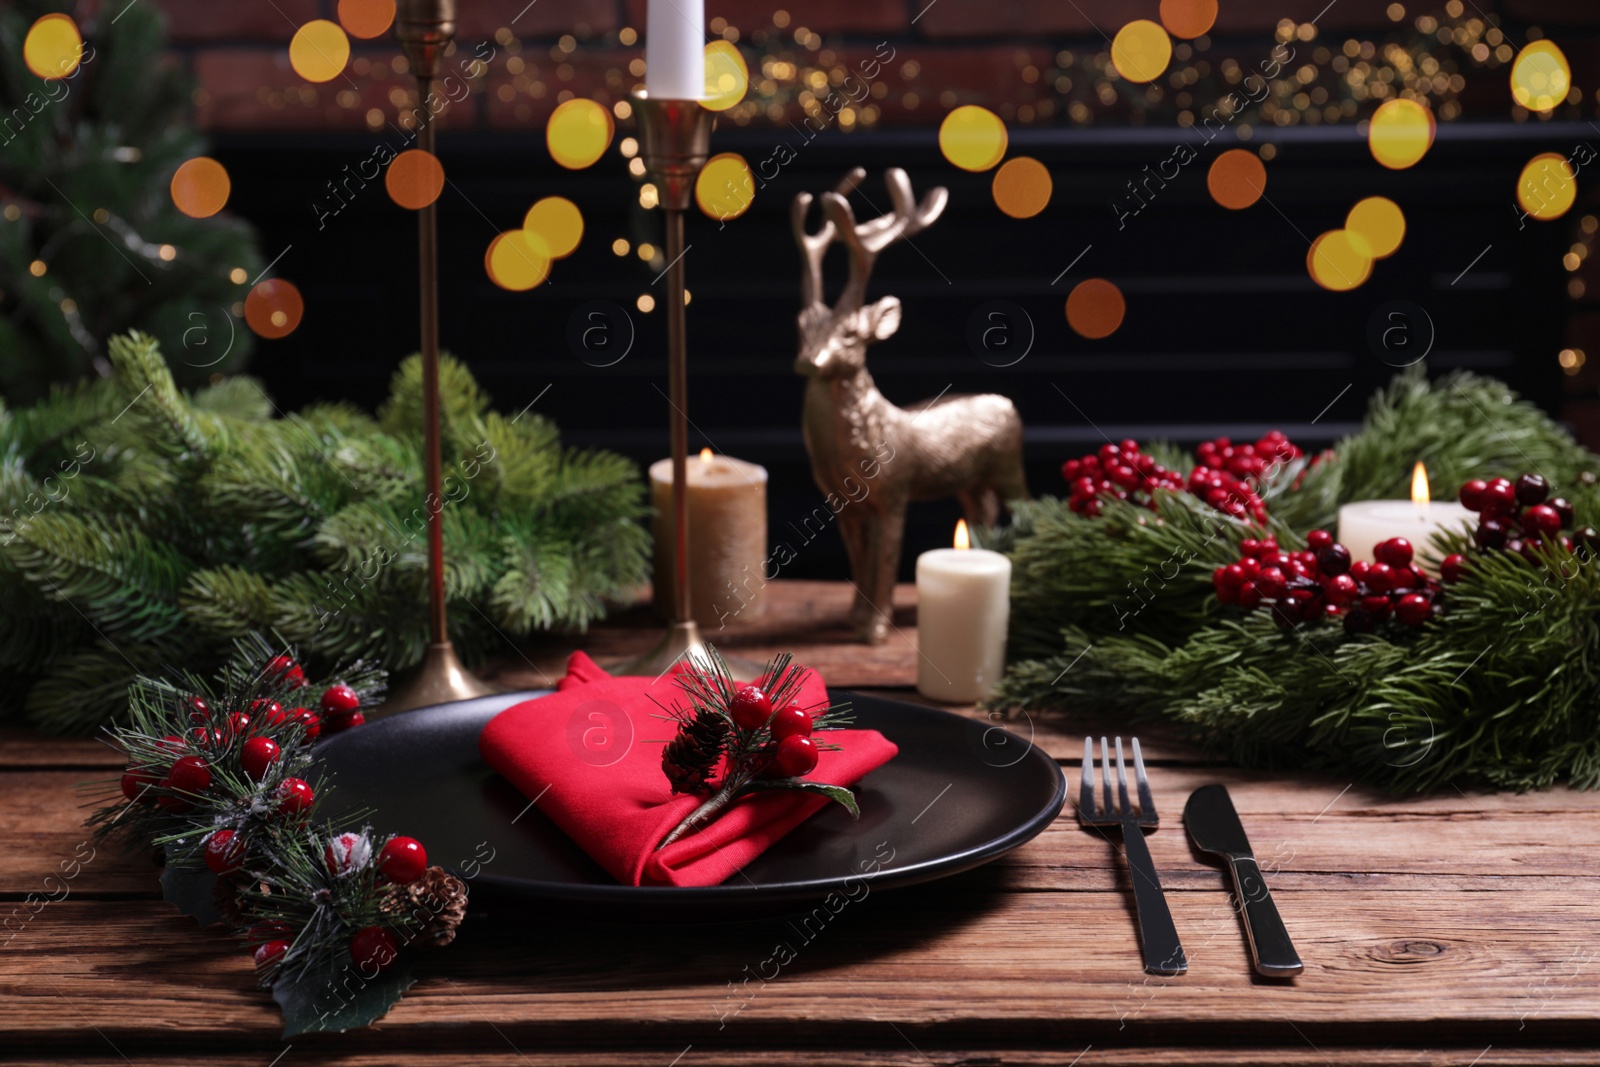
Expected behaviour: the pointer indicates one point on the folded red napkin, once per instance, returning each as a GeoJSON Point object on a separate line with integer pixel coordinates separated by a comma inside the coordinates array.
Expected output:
{"type": "Point", "coordinates": [589, 755]}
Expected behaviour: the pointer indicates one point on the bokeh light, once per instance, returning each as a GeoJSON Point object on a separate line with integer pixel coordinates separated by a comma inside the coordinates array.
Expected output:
{"type": "Point", "coordinates": [1141, 51]}
{"type": "Point", "coordinates": [1376, 226]}
{"type": "Point", "coordinates": [1022, 187]}
{"type": "Point", "coordinates": [53, 46]}
{"type": "Point", "coordinates": [200, 187]}
{"type": "Point", "coordinates": [727, 76]}
{"type": "Point", "coordinates": [1095, 308]}
{"type": "Point", "coordinates": [366, 18]}
{"type": "Point", "coordinates": [1335, 261]}
{"type": "Point", "coordinates": [726, 188]}
{"type": "Point", "coordinates": [1547, 187]}
{"type": "Point", "coordinates": [1540, 76]}
{"type": "Point", "coordinates": [578, 133]}
{"type": "Point", "coordinates": [274, 308]}
{"type": "Point", "coordinates": [973, 138]}
{"type": "Point", "coordinates": [415, 179]}
{"type": "Point", "coordinates": [1400, 133]}
{"type": "Point", "coordinates": [515, 261]}
{"type": "Point", "coordinates": [1188, 18]}
{"type": "Point", "coordinates": [319, 51]}
{"type": "Point", "coordinates": [558, 225]}
{"type": "Point", "coordinates": [1237, 179]}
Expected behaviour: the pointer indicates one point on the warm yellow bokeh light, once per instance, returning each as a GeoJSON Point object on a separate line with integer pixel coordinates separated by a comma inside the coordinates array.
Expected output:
{"type": "Point", "coordinates": [646, 303]}
{"type": "Point", "coordinates": [1141, 51]}
{"type": "Point", "coordinates": [1022, 187]}
{"type": "Point", "coordinates": [319, 51]}
{"type": "Point", "coordinates": [1188, 18]}
{"type": "Point", "coordinates": [1376, 227]}
{"type": "Point", "coordinates": [1400, 133]}
{"type": "Point", "coordinates": [727, 76]}
{"type": "Point", "coordinates": [973, 138]}
{"type": "Point", "coordinates": [274, 308]}
{"type": "Point", "coordinates": [725, 188]}
{"type": "Point", "coordinates": [578, 133]}
{"type": "Point", "coordinates": [516, 261]}
{"type": "Point", "coordinates": [1237, 179]}
{"type": "Point", "coordinates": [1547, 187]}
{"type": "Point", "coordinates": [53, 47]}
{"type": "Point", "coordinates": [366, 18]}
{"type": "Point", "coordinates": [1095, 308]}
{"type": "Point", "coordinates": [1540, 77]}
{"type": "Point", "coordinates": [415, 179]}
{"type": "Point", "coordinates": [1337, 262]}
{"type": "Point", "coordinates": [200, 187]}
{"type": "Point", "coordinates": [558, 224]}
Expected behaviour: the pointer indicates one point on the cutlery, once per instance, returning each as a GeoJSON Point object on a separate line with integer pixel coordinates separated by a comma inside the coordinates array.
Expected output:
{"type": "Point", "coordinates": [1214, 826]}
{"type": "Point", "coordinates": [1163, 953]}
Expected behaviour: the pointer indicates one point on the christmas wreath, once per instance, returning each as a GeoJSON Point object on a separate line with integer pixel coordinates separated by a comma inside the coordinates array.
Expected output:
{"type": "Point", "coordinates": [220, 783]}
{"type": "Point", "coordinates": [1220, 601]}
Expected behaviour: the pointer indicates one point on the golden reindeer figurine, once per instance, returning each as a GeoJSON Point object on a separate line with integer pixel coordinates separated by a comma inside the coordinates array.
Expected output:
{"type": "Point", "coordinates": [964, 446]}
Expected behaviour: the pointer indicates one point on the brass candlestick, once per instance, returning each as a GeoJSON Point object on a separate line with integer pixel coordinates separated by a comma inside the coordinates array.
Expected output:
{"type": "Point", "coordinates": [674, 142]}
{"type": "Point", "coordinates": [424, 29]}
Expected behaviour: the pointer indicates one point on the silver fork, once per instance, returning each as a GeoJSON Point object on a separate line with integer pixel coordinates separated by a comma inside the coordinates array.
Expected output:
{"type": "Point", "coordinates": [1163, 952]}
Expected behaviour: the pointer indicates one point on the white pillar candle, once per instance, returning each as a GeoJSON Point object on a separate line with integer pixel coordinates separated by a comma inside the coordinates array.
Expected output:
{"type": "Point", "coordinates": [963, 602]}
{"type": "Point", "coordinates": [727, 539]}
{"type": "Point", "coordinates": [1365, 523]}
{"type": "Point", "coordinates": [675, 50]}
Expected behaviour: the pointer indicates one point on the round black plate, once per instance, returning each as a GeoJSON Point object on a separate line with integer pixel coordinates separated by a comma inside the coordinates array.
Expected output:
{"type": "Point", "coordinates": [960, 793]}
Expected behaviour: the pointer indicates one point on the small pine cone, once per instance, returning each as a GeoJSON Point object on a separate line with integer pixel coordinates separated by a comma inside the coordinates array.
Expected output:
{"type": "Point", "coordinates": [690, 759]}
{"type": "Point", "coordinates": [443, 898]}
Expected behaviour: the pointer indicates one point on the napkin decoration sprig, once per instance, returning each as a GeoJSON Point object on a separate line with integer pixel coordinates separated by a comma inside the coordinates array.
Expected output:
{"type": "Point", "coordinates": [733, 739]}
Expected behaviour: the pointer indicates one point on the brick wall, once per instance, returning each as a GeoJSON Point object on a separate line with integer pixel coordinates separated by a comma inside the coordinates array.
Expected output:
{"type": "Point", "coordinates": [998, 52]}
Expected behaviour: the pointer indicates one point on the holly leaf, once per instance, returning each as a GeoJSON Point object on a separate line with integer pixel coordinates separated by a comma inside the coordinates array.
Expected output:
{"type": "Point", "coordinates": [339, 998]}
{"type": "Point", "coordinates": [837, 793]}
{"type": "Point", "coordinates": [191, 889]}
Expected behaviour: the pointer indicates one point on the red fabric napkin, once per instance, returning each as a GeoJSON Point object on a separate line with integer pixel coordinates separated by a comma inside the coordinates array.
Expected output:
{"type": "Point", "coordinates": [589, 755]}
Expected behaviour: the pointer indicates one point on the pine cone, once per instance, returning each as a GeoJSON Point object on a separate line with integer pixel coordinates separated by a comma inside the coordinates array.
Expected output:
{"type": "Point", "coordinates": [443, 898]}
{"type": "Point", "coordinates": [690, 759]}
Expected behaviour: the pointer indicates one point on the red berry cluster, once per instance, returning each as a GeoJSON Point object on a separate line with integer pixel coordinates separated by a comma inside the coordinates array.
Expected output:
{"type": "Point", "coordinates": [793, 753]}
{"type": "Point", "coordinates": [1521, 516]}
{"type": "Point", "coordinates": [1228, 476]}
{"type": "Point", "coordinates": [1321, 582]}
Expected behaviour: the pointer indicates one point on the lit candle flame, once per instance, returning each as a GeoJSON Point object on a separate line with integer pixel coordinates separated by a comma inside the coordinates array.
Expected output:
{"type": "Point", "coordinates": [1419, 485]}
{"type": "Point", "coordinates": [963, 539]}
{"type": "Point", "coordinates": [705, 457]}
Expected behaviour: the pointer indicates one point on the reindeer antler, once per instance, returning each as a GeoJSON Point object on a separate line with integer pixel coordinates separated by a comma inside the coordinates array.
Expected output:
{"type": "Point", "coordinates": [866, 240]}
{"type": "Point", "coordinates": [813, 246]}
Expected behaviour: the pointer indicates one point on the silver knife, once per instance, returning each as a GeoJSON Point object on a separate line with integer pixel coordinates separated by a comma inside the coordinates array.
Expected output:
{"type": "Point", "coordinates": [1214, 827]}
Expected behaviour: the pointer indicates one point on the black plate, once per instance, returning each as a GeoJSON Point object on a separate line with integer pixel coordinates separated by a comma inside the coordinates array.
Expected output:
{"type": "Point", "coordinates": [960, 793]}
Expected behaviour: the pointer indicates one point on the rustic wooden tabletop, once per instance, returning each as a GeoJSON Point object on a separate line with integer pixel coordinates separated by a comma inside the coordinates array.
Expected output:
{"type": "Point", "coordinates": [1458, 929]}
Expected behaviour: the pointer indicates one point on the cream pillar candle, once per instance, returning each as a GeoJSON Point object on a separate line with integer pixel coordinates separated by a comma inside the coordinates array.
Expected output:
{"type": "Point", "coordinates": [963, 602]}
{"type": "Point", "coordinates": [727, 539]}
{"type": "Point", "coordinates": [675, 49]}
{"type": "Point", "coordinates": [1363, 524]}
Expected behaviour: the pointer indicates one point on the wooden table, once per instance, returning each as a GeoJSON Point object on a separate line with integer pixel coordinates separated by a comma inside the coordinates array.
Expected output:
{"type": "Point", "coordinates": [1458, 929]}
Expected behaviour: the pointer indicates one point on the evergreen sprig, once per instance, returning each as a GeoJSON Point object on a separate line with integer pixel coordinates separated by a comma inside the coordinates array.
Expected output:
{"type": "Point", "coordinates": [1500, 690]}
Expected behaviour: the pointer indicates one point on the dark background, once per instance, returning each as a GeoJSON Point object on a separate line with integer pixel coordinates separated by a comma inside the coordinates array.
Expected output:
{"type": "Point", "coordinates": [1225, 333]}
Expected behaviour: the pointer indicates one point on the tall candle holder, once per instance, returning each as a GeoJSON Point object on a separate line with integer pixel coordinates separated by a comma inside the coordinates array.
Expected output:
{"type": "Point", "coordinates": [674, 143]}
{"type": "Point", "coordinates": [424, 29]}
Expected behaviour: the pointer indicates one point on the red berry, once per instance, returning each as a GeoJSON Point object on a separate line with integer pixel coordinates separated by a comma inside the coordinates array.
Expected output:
{"type": "Point", "coordinates": [1250, 548]}
{"type": "Point", "coordinates": [1532, 489]}
{"type": "Point", "coordinates": [1249, 597]}
{"type": "Point", "coordinates": [1541, 519]}
{"type": "Point", "coordinates": [1341, 589]}
{"type": "Point", "coordinates": [1359, 569]}
{"type": "Point", "coordinates": [1406, 578]}
{"type": "Point", "coordinates": [1334, 559]}
{"type": "Point", "coordinates": [274, 716]}
{"type": "Point", "coordinates": [136, 783]}
{"type": "Point", "coordinates": [271, 952]}
{"type": "Point", "coordinates": [1563, 508]}
{"type": "Point", "coordinates": [1452, 566]}
{"type": "Point", "coordinates": [1233, 575]}
{"type": "Point", "coordinates": [1413, 609]}
{"type": "Point", "coordinates": [1498, 498]}
{"type": "Point", "coordinates": [339, 699]}
{"type": "Point", "coordinates": [1491, 533]}
{"type": "Point", "coordinates": [285, 671]}
{"type": "Point", "coordinates": [191, 774]}
{"type": "Point", "coordinates": [1376, 606]}
{"type": "Point", "coordinates": [1318, 539]}
{"type": "Point", "coordinates": [295, 796]}
{"type": "Point", "coordinates": [338, 724]}
{"type": "Point", "coordinates": [1472, 494]}
{"type": "Point", "coordinates": [269, 930]}
{"type": "Point", "coordinates": [307, 718]}
{"type": "Point", "coordinates": [258, 754]}
{"type": "Point", "coordinates": [402, 860]}
{"type": "Point", "coordinates": [172, 743]}
{"type": "Point", "coordinates": [1227, 594]}
{"type": "Point", "coordinates": [791, 721]}
{"type": "Point", "coordinates": [1271, 583]}
{"type": "Point", "coordinates": [203, 736]}
{"type": "Point", "coordinates": [796, 756]}
{"type": "Point", "coordinates": [751, 707]}
{"type": "Point", "coordinates": [373, 948]}
{"type": "Point", "coordinates": [265, 708]}
{"type": "Point", "coordinates": [199, 710]}
{"type": "Point", "coordinates": [238, 724]}
{"type": "Point", "coordinates": [1380, 577]}
{"type": "Point", "coordinates": [1396, 552]}
{"type": "Point", "coordinates": [224, 852]}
